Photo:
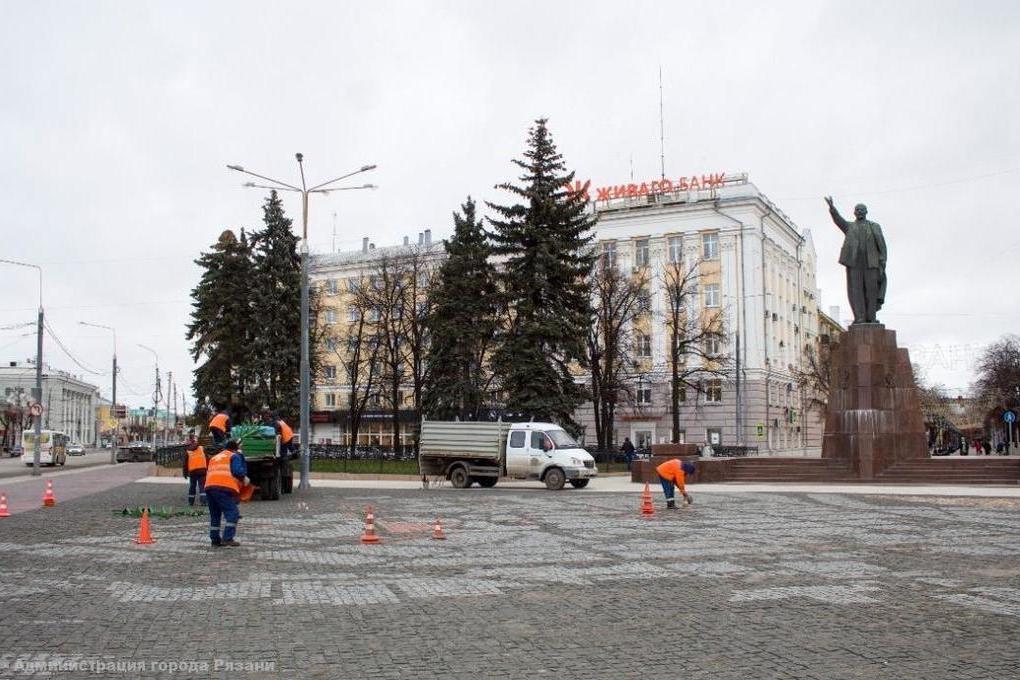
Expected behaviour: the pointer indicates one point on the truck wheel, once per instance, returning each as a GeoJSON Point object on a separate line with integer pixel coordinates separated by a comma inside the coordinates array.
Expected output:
{"type": "Point", "coordinates": [487, 482]}
{"type": "Point", "coordinates": [270, 486]}
{"type": "Point", "coordinates": [459, 478]}
{"type": "Point", "coordinates": [555, 479]}
{"type": "Point", "coordinates": [579, 483]}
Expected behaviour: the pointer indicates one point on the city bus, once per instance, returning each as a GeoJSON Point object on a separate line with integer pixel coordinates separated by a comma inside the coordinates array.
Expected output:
{"type": "Point", "coordinates": [52, 447]}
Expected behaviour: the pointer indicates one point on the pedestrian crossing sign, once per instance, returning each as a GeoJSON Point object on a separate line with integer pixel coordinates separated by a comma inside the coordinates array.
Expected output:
{"type": "Point", "coordinates": [761, 430]}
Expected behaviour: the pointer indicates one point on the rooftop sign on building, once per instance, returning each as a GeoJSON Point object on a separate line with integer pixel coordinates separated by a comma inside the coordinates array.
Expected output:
{"type": "Point", "coordinates": [658, 186]}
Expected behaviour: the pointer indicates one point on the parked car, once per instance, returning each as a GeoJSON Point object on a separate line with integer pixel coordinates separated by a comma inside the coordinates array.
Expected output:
{"type": "Point", "coordinates": [134, 452]}
{"type": "Point", "coordinates": [16, 450]}
{"type": "Point", "coordinates": [75, 449]}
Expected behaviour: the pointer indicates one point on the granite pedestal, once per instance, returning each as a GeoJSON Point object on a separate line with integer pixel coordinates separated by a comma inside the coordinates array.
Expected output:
{"type": "Point", "coordinates": [873, 418]}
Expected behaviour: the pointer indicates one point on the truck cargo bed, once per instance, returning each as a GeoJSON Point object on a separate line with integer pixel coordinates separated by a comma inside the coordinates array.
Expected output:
{"type": "Point", "coordinates": [468, 439]}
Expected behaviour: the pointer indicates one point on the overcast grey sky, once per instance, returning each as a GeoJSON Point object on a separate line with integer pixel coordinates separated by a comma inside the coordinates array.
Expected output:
{"type": "Point", "coordinates": [117, 120]}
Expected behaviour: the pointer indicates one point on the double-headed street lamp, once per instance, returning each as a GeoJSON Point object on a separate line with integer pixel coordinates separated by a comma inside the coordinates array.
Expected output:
{"type": "Point", "coordinates": [113, 398]}
{"type": "Point", "coordinates": [37, 417]}
{"type": "Point", "coordinates": [324, 188]}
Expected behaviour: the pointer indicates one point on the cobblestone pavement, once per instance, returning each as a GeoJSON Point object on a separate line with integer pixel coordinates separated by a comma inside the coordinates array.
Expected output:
{"type": "Point", "coordinates": [528, 584]}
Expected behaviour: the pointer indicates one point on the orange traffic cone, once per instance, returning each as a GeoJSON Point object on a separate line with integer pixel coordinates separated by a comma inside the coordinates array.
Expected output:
{"type": "Point", "coordinates": [369, 535]}
{"type": "Point", "coordinates": [3, 506]}
{"type": "Point", "coordinates": [48, 499]}
{"type": "Point", "coordinates": [647, 509]}
{"type": "Point", "coordinates": [144, 532]}
{"type": "Point", "coordinates": [437, 531]}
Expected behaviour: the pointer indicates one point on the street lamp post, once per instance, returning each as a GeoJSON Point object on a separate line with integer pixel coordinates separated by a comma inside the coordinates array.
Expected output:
{"type": "Point", "coordinates": [38, 368]}
{"type": "Point", "coordinates": [113, 398]}
{"type": "Point", "coordinates": [324, 188]}
{"type": "Point", "coordinates": [155, 399]}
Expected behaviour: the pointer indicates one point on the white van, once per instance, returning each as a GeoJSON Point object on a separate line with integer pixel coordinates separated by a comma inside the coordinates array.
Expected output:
{"type": "Point", "coordinates": [470, 452]}
{"type": "Point", "coordinates": [52, 447]}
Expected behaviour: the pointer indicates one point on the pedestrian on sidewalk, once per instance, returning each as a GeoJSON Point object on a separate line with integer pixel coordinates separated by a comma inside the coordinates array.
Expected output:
{"type": "Point", "coordinates": [227, 473]}
{"type": "Point", "coordinates": [195, 464]}
{"type": "Point", "coordinates": [628, 451]}
{"type": "Point", "coordinates": [674, 473]}
{"type": "Point", "coordinates": [988, 447]}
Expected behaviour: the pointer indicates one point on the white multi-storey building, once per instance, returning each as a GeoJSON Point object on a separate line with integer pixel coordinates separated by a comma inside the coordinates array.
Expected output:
{"type": "Point", "coordinates": [758, 270]}
{"type": "Point", "coordinates": [69, 403]}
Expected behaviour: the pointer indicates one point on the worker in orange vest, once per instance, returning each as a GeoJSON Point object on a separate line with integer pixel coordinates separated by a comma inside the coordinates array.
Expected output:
{"type": "Point", "coordinates": [195, 464]}
{"type": "Point", "coordinates": [284, 430]}
{"type": "Point", "coordinates": [219, 426]}
{"type": "Point", "coordinates": [226, 474]}
{"type": "Point", "coordinates": [674, 473]}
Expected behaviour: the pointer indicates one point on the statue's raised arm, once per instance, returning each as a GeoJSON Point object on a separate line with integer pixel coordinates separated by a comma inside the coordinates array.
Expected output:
{"type": "Point", "coordinates": [836, 217]}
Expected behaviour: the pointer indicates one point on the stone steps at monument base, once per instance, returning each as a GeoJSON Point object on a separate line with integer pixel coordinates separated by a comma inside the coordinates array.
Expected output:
{"type": "Point", "coordinates": [953, 471]}
{"type": "Point", "coordinates": [789, 470]}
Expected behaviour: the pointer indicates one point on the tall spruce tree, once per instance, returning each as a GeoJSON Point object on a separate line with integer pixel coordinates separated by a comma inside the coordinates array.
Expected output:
{"type": "Point", "coordinates": [546, 238]}
{"type": "Point", "coordinates": [276, 313]}
{"type": "Point", "coordinates": [220, 329]}
{"type": "Point", "coordinates": [462, 324]}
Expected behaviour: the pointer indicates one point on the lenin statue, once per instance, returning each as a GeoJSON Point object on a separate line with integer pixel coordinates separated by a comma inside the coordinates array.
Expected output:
{"type": "Point", "coordinates": [863, 255]}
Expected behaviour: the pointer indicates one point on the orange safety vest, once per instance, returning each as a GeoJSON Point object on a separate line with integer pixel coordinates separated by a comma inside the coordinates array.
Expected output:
{"type": "Point", "coordinates": [219, 421]}
{"type": "Point", "coordinates": [219, 472]}
{"type": "Point", "coordinates": [196, 459]}
{"type": "Point", "coordinates": [672, 469]}
{"type": "Point", "coordinates": [286, 434]}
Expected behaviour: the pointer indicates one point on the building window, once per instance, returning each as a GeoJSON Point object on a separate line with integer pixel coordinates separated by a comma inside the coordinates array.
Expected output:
{"type": "Point", "coordinates": [330, 286]}
{"type": "Point", "coordinates": [643, 439]}
{"type": "Point", "coordinates": [353, 285]}
{"type": "Point", "coordinates": [643, 345]}
{"type": "Point", "coordinates": [676, 249]}
{"type": "Point", "coordinates": [329, 372]}
{"type": "Point", "coordinates": [641, 257]}
{"type": "Point", "coordinates": [352, 314]}
{"type": "Point", "coordinates": [330, 315]}
{"type": "Point", "coordinates": [710, 246]}
{"type": "Point", "coordinates": [713, 391]}
{"type": "Point", "coordinates": [713, 346]}
{"type": "Point", "coordinates": [644, 395]}
{"type": "Point", "coordinates": [331, 399]}
{"type": "Point", "coordinates": [711, 294]}
{"type": "Point", "coordinates": [713, 436]}
{"type": "Point", "coordinates": [682, 394]}
{"type": "Point", "coordinates": [609, 255]}
{"type": "Point", "coordinates": [331, 344]}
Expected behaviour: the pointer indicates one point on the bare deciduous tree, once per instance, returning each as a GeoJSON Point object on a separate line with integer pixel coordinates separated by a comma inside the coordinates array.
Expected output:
{"type": "Point", "coordinates": [416, 301]}
{"type": "Point", "coordinates": [618, 300]}
{"type": "Point", "coordinates": [358, 354]}
{"type": "Point", "coordinates": [998, 372]}
{"type": "Point", "coordinates": [695, 338]}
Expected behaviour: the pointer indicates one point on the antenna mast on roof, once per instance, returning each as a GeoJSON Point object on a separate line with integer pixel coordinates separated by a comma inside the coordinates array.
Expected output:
{"type": "Point", "coordinates": [334, 231]}
{"type": "Point", "coordinates": [662, 144]}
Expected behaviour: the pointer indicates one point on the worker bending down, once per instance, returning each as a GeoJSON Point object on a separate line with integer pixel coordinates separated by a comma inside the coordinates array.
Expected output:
{"type": "Point", "coordinates": [227, 472]}
{"type": "Point", "coordinates": [674, 473]}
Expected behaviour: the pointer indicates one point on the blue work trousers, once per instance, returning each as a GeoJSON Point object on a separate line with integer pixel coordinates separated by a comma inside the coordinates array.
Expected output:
{"type": "Point", "coordinates": [196, 482]}
{"type": "Point", "coordinates": [222, 504]}
{"type": "Point", "coordinates": [667, 488]}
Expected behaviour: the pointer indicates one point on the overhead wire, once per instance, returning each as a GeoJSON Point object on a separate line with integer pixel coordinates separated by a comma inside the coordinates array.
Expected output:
{"type": "Point", "coordinates": [66, 351]}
